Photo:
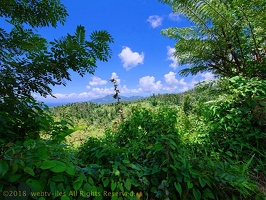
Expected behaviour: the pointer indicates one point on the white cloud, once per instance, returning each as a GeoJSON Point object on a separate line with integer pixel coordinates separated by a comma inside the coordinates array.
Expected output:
{"type": "Point", "coordinates": [174, 16]}
{"type": "Point", "coordinates": [114, 76]}
{"type": "Point", "coordinates": [170, 56]}
{"type": "Point", "coordinates": [94, 93]}
{"type": "Point", "coordinates": [84, 95]}
{"type": "Point", "coordinates": [170, 79]}
{"type": "Point", "coordinates": [208, 76]}
{"type": "Point", "coordinates": [103, 91]}
{"type": "Point", "coordinates": [148, 84]}
{"type": "Point", "coordinates": [155, 20]}
{"type": "Point", "coordinates": [182, 82]}
{"type": "Point", "coordinates": [64, 96]}
{"type": "Point", "coordinates": [173, 84]}
{"type": "Point", "coordinates": [125, 90]}
{"type": "Point", "coordinates": [97, 81]}
{"type": "Point", "coordinates": [193, 83]}
{"type": "Point", "coordinates": [130, 59]}
{"type": "Point", "coordinates": [184, 85]}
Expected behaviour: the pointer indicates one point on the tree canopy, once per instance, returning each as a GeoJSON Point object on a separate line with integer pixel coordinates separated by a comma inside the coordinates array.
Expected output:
{"type": "Point", "coordinates": [227, 37]}
{"type": "Point", "coordinates": [31, 64]}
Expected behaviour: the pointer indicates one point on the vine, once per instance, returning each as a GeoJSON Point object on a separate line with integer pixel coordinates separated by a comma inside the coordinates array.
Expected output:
{"type": "Point", "coordinates": [116, 96]}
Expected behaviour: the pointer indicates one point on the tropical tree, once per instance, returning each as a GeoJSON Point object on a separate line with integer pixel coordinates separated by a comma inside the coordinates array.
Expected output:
{"type": "Point", "coordinates": [31, 64]}
{"type": "Point", "coordinates": [227, 37]}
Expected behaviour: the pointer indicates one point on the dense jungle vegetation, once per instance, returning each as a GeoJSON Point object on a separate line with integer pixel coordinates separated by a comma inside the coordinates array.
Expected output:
{"type": "Point", "coordinates": [206, 143]}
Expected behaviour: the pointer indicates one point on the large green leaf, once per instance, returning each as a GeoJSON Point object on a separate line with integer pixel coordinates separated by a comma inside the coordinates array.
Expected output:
{"type": "Point", "coordinates": [42, 152]}
{"type": "Point", "coordinates": [133, 166]}
{"type": "Point", "coordinates": [54, 166]}
{"type": "Point", "coordinates": [65, 198]}
{"type": "Point", "coordinates": [60, 167]}
{"type": "Point", "coordinates": [113, 185]}
{"type": "Point", "coordinates": [15, 167]}
{"type": "Point", "coordinates": [78, 183]}
{"type": "Point", "coordinates": [48, 164]}
{"type": "Point", "coordinates": [196, 194]}
{"type": "Point", "coordinates": [35, 185]}
{"type": "Point", "coordinates": [58, 178]}
{"type": "Point", "coordinates": [178, 188]}
{"type": "Point", "coordinates": [90, 180]}
{"type": "Point", "coordinates": [128, 184]}
{"type": "Point", "coordinates": [106, 182]}
{"type": "Point", "coordinates": [13, 178]}
{"type": "Point", "coordinates": [29, 171]}
{"type": "Point", "coordinates": [71, 170]}
{"type": "Point", "coordinates": [87, 187]}
{"type": "Point", "coordinates": [3, 167]}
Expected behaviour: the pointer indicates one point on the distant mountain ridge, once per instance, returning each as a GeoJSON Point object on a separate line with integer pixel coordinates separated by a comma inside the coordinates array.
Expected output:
{"type": "Point", "coordinates": [110, 99]}
{"type": "Point", "coordinates": [104, 100]}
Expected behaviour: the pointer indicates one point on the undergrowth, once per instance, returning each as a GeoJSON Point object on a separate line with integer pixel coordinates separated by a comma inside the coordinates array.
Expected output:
{"type": "Point", "coordinates": [196, 150]}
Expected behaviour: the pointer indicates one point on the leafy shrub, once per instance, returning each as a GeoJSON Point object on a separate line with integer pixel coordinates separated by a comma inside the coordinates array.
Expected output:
{"type": "Point", "coordinates": [187, 104]}
{"type": "Point", "coordinates": [145, 126]}
{"type": "Point", "coordinates": [146, 155]}
{"type": "Point", "coordinates": [30, 164]}
{"type": "Point", "coordinates": [39, 166]}
{"type": "Point", "coordinates": [22, 118]}
{"type": "Point", "coordinates": [237, 120]}
{"type": "Point", "coordinates": [27, 120]}
{"type": "Point", "coordinates": [236, 128]}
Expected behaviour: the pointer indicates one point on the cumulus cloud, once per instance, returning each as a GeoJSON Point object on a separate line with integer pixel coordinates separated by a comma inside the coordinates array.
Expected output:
{"type": "Point", "coordinates": [65, 96]}
{"type": "Point", "coordinates": [114, 76]}
{"type": "Point", "coordinates": [148, 84]}
{"type": "Point", "coordinates": [130, 59]}
{"type": "Point", "coordinates": [125, 90]}
{"type": "Point", "coordinates": [97, 81]}
{"type": "Point", "coordinates": [184, 85]}
{"type": "Point", "coordinates": [193, 83]}
{"type": "Point", "coordinates": [170, 79]}
{"type": "Point", "coordinates": [208, 76]}
{"type": "Point", "coordinates": [172, 83]}
{"type": "Point", "coordinates": [155, 20]}
{"type": "Point", "coordinates": [174, 16]}
{"type": "Point", "coordinates": [103, 91]}
{"type": "Point", "coordinates": [92, 94]}
{"type": "Point", "coordinates": [171, 57]}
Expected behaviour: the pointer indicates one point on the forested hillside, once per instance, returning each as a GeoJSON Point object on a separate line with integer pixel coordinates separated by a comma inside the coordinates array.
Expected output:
{"type": "Point", "coordinates": [206, 143]}
{"type": "Point", "coordinates": [92, 118]}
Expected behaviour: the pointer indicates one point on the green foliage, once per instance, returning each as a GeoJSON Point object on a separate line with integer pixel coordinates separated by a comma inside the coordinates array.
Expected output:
{"type": "Point", "coordinates": [144, 126]}
{"type": "Point", "coordinates": [237, 120]}
{"type": "Point", "coordinates": [34, 13]}
{"type": "Point", "coordinates": [227, 37]}
{"type": "Point", "coordinates": [26, 119]}
{"type": "Point", "coordinates": [39, 166]}
{"type": "Point", "coordinates": [147, 155]}
{"type": "Point", "coordinates": [208, 143]}
{"type": "Point", "coordinates": [236, 128]}
{"type": "Point", "coordinates": [29, 64]}
{"type": "Point", "coordinates": [187, 104]}
{"type": "Point", "coordinates": [159, 153]}
{"type": "Point", "coordinates": [30, 119]}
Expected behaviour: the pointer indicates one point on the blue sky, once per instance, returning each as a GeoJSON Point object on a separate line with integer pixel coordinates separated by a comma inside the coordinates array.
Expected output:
{"type": "Point", "coordinates": [142, 61]}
